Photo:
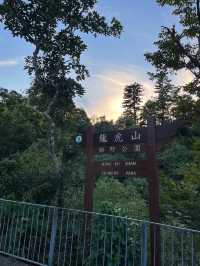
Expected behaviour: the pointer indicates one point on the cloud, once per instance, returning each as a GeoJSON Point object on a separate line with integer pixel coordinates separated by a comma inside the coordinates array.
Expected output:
{"type": "Point", "coordinates": [11, 62]}
{"type": "Point", "coordinates": [183, 77]}
{"type": "Point", "coordinates": [105, 90]}
{"type": "Point", "coordinates": [4, 63]}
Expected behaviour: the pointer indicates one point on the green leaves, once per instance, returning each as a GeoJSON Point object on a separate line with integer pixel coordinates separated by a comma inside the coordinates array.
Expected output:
{"type": "Point", "coordinates": [166, 94]}
{"type": "Point", "coordinates": [117, 198]}
{"type": "Point", "coordinates": [177, 48]}
{"type": "Point", "coordinates": [54, 27]}
{"type": "Point", "coordinates": [19, 125]}
{"type": "Point", "coordinates": [180, 184]}
{"type": "Point", "coordinates": [170, 52]}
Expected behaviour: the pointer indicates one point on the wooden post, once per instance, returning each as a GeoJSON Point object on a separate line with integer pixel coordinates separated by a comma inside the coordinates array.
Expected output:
{"type": "Point", "coordinates": [53, 237]}
{"type": "Point", "coordinates": [154, 206]}
{"type": "Point", "coordinates": [89, 175]}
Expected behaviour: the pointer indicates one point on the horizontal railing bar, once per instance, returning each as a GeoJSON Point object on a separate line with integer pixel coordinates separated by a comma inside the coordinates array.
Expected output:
{"type": "Point", "coordinates": [22, 258]}
{"type": "Point", "coordinates": [30, 204]}
{"type": "Point", "coordinates": [136, 221]}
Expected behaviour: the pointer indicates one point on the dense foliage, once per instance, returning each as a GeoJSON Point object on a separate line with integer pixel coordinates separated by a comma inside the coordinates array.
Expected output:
{"type": "Point", "coordinates": [38, 129]}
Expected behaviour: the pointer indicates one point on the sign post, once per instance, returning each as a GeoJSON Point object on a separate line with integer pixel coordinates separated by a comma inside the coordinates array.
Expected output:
{"type": "Point", "coordinates": [153, 181]}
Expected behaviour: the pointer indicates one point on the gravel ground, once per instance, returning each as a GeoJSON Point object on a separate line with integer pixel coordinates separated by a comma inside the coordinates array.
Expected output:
{"type": "Point", "coordinates": [5, 261]}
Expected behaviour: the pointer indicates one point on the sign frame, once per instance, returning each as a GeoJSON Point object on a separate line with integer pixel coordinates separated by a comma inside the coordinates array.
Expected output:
{"type": "Point", "coordinates": [151, 137]}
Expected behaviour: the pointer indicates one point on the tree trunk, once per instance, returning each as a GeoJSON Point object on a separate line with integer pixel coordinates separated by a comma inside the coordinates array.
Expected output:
{"type": "Point", "coordinates": [59, 198]}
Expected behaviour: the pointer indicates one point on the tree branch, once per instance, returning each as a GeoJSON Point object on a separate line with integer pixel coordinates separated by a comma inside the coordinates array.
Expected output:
{"type": "Point", "coordinates": [51, 133]}
{"type": "Point", "coordinates": [52, 102]}
{"type": "Point", "coordinates": [193, 59]}
{"type": "Point", "coordinates": [35, 64]}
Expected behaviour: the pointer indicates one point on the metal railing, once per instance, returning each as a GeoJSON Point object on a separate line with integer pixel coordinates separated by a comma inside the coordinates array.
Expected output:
{"type": "Point", "coordinates": [46, 235]}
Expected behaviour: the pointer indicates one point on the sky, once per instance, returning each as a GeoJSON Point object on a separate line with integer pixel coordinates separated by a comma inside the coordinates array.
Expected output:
{"type": "Point", "coordinates": [113, 63]}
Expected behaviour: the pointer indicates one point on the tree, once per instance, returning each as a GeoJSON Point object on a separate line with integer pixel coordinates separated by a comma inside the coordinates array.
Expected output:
{"type": "Point", "coordinates": [175, 49]}
{"type": "Point", "coordinates": [180, 184]}
{"type": "Point", "coordinates": [124, 122]}
{"type": "Point", "coordinates": [29, 175]}
{"type": "Point", "coordinates": [26, 171]}
{"type": "Point", "coordinates": [179, 49]}
{"type": "Point", "coordinates": [185, 108]}
{"type": "Point", "coordinates": [54, 29]}
{"type": "Point", "coordinates": [149, 108]}
{"type": "Point", "coordinates": [132, 101]}
{"type": "Point", "coordinates": [166, 94]}
{"type": "Point", "coordinates": [114, 197]}
{"type": "Point", "coordinates": [20, 127]}
{"type": "Point", "coordinates": [103, 125]}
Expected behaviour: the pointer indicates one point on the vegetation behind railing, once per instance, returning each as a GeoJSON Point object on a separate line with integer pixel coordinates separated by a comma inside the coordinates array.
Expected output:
{"type": "Point", "coordinates": [46, 235]}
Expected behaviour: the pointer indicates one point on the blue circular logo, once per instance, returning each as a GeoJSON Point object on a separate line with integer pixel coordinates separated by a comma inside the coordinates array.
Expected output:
{"type": "Point", "coordinates": [79, 139]}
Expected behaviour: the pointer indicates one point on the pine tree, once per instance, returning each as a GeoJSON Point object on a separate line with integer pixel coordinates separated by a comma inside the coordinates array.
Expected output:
{"type": "Point", "coordinates": [165, 95]}
{"type": "Point", "coordinates": [132, 101]}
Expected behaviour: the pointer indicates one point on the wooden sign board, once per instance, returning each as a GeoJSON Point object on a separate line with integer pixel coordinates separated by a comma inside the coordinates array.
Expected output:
{"type": "Point", "coordinates": [131, 136]}
{"type": "Point", "coordinates": [123, 148]}
{"type": "Point", "coordinates": [129, 168]}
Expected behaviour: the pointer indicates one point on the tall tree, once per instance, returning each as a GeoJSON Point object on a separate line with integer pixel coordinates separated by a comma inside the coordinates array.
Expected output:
{"type": "Point", "coordinates": [166, 93]}
{"type": "Point", "coordinates": [179, 48]}
{"type": "Point", "coordinates": [132, 101]}
{"type": "Point", "coordinates": [54, 28]}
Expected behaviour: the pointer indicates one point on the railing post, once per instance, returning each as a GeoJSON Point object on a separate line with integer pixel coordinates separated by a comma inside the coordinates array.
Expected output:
{"type": "Point", "coordinates": [53, 237]}
{"type": "Point", "coordinates": [144, 248]}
